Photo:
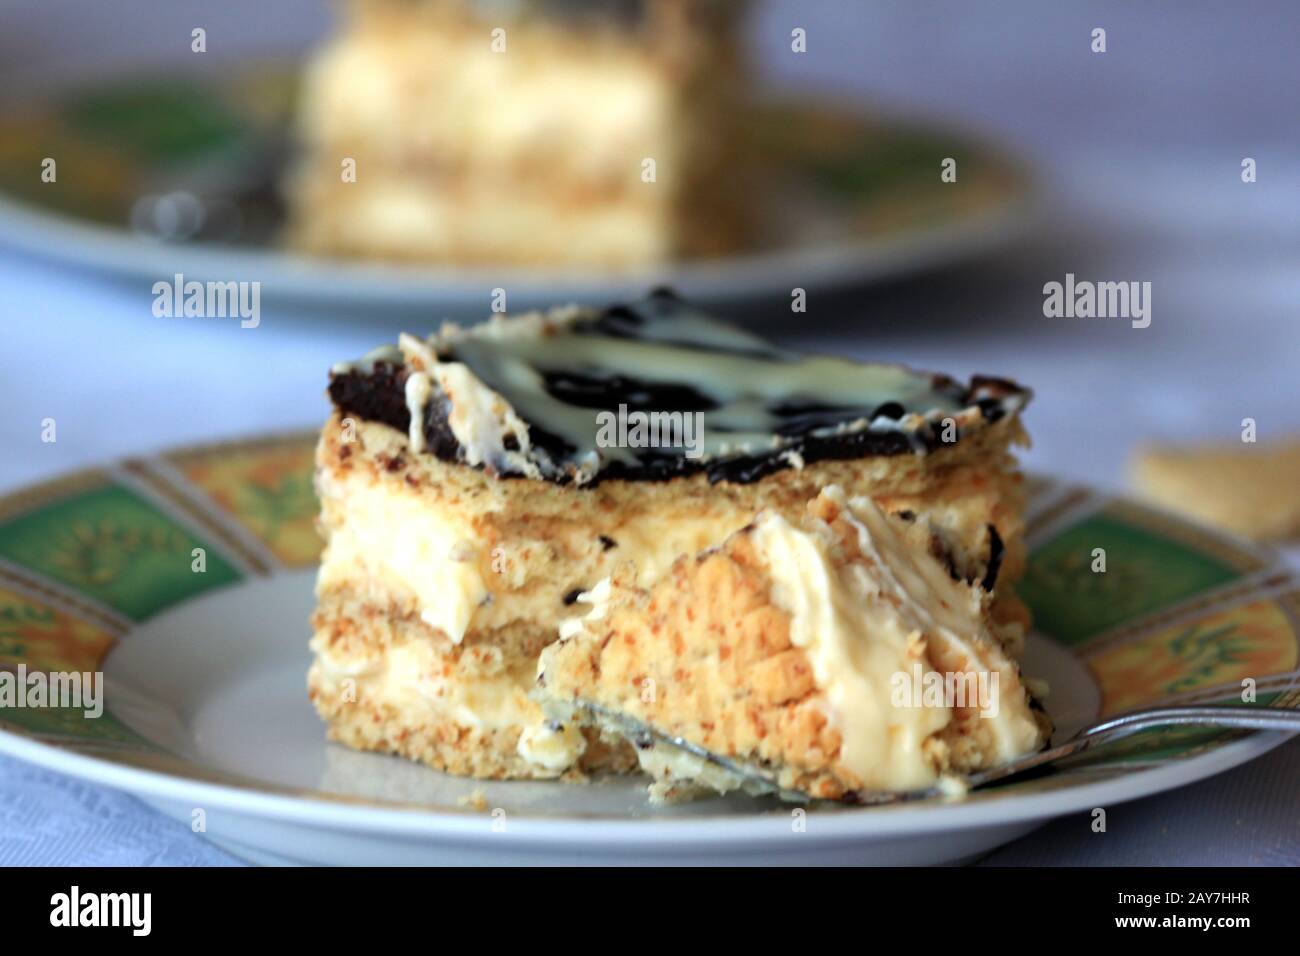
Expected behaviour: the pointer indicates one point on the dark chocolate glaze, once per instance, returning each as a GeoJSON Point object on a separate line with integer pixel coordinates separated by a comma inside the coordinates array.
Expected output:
{"type": "Point", "coordinates": [996, 552]}
{"type": "Point", "coordinates": [377, 396]}
{"type": "Point", "coordinates": [376, 393]}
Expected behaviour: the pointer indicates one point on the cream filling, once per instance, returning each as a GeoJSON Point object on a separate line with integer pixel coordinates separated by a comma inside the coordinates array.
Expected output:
{"type": "Point", "coordinates": [407, 219]}
{"type": "Point", "coordinates": [439, 90]}
{"type": "Point", "coordinates": [551, 748]}
{"type": "Point", "coordinates": [855, 644]}
{"type": "Point", "coordinates": [410, 677]}
{"type": "Point", "coordinates": [951, 616]}
{"type": "Point", "coordinates": [423, 549]}
{"type": "Point", "coordinates": [862, 625]}
{"type": "Point", "coordinates": [599, 599]}
{"type": "Point", "coordinates": [386, 532]}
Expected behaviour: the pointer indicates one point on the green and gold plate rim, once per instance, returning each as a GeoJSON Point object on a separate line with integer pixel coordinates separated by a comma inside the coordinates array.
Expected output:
{"type": "Point", "coordinates": [1181, 613]}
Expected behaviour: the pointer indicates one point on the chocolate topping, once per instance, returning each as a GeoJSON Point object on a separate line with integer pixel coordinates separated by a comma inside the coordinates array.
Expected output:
{"type": "Point", "coordinates": [763, 409]}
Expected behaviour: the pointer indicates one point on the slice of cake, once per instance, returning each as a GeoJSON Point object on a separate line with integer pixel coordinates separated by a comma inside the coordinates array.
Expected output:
{"type": "Point", "coordinates": [475, 483]}
{"type": "Point", "coordinates": [831, 655]}
{"type": "Point", "coordinates": [539, 133]}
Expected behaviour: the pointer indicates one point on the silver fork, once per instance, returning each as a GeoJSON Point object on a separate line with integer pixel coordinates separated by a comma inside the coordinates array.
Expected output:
{"type": "Point", "coordinates": [1125, 725]}
{"type": "Point", "coordinates": [758, 782]}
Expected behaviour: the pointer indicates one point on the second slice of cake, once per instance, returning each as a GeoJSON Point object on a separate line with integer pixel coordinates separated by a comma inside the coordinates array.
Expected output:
{"type": "Point", "coordinates": [544, 133]}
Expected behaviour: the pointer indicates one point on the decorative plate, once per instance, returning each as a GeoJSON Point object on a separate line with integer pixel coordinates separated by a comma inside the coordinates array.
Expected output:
{"type": "Point", "coordinates": [186, 579]}
{"type": "Point", "coordinates": [858, 199]}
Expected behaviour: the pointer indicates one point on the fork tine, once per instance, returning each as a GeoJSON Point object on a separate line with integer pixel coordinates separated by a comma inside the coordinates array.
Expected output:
{"type": "Point", "coordinates": [758, 782]}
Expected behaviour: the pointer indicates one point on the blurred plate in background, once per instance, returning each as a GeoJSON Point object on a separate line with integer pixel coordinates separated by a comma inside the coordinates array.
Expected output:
{"type": "Point", "coordinates": [163, 174]}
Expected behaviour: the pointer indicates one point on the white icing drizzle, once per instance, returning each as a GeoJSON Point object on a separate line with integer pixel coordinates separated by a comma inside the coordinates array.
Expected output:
{"type": "Point", "coordinates": [419, 389]}
{"type": "Point", "coordinates": [507, 375]}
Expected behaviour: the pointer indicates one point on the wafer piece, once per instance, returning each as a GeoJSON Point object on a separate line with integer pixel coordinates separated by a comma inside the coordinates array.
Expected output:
{"type": "Point", "coordinates": [1253, 490]}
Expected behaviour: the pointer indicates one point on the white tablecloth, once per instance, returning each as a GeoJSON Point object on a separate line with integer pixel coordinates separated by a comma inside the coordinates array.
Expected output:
{"type": "Point", "coordinates": [1139, 153]}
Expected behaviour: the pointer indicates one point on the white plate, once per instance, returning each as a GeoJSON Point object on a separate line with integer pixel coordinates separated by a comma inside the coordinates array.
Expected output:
{"type": "Point", "coordinates": [207, 717]}
{"type": "Point", "coordinates": [220, 682]}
